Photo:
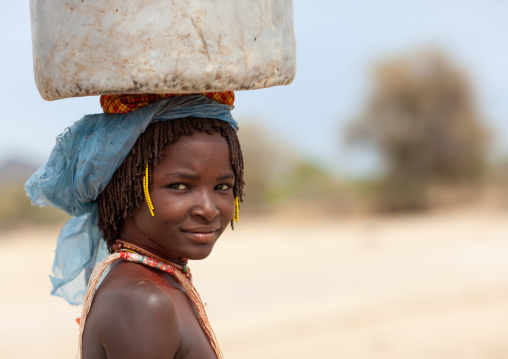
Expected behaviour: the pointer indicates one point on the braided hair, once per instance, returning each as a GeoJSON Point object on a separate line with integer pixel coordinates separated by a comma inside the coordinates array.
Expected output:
{"type": "Point", "coordinates": [124, 193]}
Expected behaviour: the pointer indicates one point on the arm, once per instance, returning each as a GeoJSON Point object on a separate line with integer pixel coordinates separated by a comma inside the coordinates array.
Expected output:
{"type": "Point", "coordinates": [137, 322]}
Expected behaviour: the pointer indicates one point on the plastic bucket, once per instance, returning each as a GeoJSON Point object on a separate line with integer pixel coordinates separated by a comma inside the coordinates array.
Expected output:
{"type": "Point", "coordinates": [94, 47]}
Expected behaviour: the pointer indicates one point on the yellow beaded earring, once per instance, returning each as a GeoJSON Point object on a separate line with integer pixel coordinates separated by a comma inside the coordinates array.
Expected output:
{"type": "Point", "coordinates": [145, 189]}
{"type": "Point", "coordinates": [237, 210]}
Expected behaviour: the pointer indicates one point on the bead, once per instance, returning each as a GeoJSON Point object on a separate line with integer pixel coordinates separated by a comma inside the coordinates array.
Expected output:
{"type": "Point", "coordinates": [146, 192]}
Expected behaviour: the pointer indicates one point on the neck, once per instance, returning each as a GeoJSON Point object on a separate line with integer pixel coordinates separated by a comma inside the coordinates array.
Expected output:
{"type": "Point", "coordinates": [131, 235]}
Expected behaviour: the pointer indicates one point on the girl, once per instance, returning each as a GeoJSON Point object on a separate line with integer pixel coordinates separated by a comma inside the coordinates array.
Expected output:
{"type": "Point", "coordinates": [170, 198]}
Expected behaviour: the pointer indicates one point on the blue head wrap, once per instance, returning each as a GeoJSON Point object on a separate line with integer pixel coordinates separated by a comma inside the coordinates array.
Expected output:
{"type": "Point", "coordinates": [79, 168]}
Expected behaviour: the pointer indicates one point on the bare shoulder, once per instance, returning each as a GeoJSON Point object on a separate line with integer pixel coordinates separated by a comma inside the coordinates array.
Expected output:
{"type": "Point", "coordinates": [133, 315]}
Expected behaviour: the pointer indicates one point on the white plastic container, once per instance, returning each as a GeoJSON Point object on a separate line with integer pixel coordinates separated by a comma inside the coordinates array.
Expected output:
{"type": "Point", "coordinates": [94, 47]}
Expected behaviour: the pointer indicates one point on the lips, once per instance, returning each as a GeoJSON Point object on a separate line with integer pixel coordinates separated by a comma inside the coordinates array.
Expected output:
{"type": "Point", "coordinates": [202, 234]}
{"type": "Point", "coordinates": [201, 229]}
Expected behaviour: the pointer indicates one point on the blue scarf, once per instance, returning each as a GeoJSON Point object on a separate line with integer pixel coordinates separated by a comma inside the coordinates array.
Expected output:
{"type": "Point", "coordinates": [79, 168]}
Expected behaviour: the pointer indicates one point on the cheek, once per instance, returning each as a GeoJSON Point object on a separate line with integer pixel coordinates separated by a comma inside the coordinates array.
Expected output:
{"type": "Point", "coordinates": [170, 207]}
{"type": "Point", "coordinates": [227, 207]}
{"type": "Point", "coordinates": [142, 216]}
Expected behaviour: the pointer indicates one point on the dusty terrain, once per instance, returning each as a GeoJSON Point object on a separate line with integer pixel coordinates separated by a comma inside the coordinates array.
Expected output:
{"type": "Point", "coordinates": [422, 286]}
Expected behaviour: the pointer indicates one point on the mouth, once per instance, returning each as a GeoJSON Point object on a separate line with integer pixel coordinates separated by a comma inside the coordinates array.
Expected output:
{"type": "Point", "coordinates": [202, 235]}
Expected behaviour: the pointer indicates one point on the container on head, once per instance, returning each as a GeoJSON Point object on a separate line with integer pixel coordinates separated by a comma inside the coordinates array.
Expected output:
{"type": "Point", "coordinates": [96, 47]}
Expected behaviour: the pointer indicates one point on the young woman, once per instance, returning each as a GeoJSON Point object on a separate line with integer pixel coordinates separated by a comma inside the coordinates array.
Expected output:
{"type": "Point", "coordinates": [169, 200]}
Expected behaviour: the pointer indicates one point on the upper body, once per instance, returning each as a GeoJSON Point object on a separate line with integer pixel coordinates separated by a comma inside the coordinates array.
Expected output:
{"type": "Point", "coordinates": [142, 312]}
{"type": "Point", "coordinates": [181, 157]}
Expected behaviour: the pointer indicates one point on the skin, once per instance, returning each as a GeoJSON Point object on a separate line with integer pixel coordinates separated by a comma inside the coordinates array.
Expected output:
{"type": "Point", "coordinates": [140, 312]}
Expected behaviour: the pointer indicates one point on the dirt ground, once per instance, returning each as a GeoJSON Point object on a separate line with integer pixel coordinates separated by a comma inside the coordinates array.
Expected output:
{"type": "Point", "coordinates": [422, 286]}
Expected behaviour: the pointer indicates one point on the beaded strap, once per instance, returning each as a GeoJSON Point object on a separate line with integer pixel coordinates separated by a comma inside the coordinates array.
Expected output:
{"type": "Point", "coordinates": [90, 291]}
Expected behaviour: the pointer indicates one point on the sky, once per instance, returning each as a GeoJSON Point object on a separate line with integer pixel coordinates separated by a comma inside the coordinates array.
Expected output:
{"type": "Point", "coordinates": [337, 44]}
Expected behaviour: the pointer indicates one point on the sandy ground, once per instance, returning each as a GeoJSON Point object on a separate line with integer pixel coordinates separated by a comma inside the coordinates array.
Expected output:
{"type": "Point", "coordinates": [426, 286]}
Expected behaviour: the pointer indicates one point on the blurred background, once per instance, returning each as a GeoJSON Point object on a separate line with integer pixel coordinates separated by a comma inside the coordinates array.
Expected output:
{"type": "Point", "coordinates": [375, 218]}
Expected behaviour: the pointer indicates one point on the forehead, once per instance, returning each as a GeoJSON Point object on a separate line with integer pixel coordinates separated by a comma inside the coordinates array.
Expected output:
{"type": "Point", "coordinates": [199, 150]}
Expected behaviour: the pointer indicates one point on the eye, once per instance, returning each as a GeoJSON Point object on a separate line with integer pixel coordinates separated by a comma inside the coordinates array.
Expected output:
{"type": "Point", "coordinates": [223, 187]}
{"type": "Point", "coordinates": [178, 186]}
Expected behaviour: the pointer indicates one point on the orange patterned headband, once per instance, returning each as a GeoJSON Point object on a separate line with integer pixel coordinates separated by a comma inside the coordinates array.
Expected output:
{"type": "Point", "coordinates": [128, 103]}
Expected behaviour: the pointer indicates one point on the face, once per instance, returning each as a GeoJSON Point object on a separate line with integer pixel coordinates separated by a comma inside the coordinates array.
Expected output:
{"type": "Point", "coordinates": [192, 195]}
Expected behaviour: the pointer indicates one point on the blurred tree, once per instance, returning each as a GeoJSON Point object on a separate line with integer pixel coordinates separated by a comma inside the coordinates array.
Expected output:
{"type": "Point", "coordinates": [422, 117]}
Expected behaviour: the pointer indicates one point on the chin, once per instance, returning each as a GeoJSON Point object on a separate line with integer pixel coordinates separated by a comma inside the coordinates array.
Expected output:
{"type": "Point", "coordinates": [199, 253]}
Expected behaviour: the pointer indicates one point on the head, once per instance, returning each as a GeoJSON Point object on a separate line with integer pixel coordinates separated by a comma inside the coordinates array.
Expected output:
{"type": "Point", "coordinates": [167, 149]}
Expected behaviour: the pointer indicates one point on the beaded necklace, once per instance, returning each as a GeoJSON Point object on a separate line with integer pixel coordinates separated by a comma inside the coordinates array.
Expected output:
{"type": "Point", "coordinates": [178, 262]}
{"type": "Point", "coordinates": [131, 255]}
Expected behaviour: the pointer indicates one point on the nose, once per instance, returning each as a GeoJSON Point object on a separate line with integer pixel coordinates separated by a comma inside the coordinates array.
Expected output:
{"type": "Point", "coordinates": [206, 207]}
